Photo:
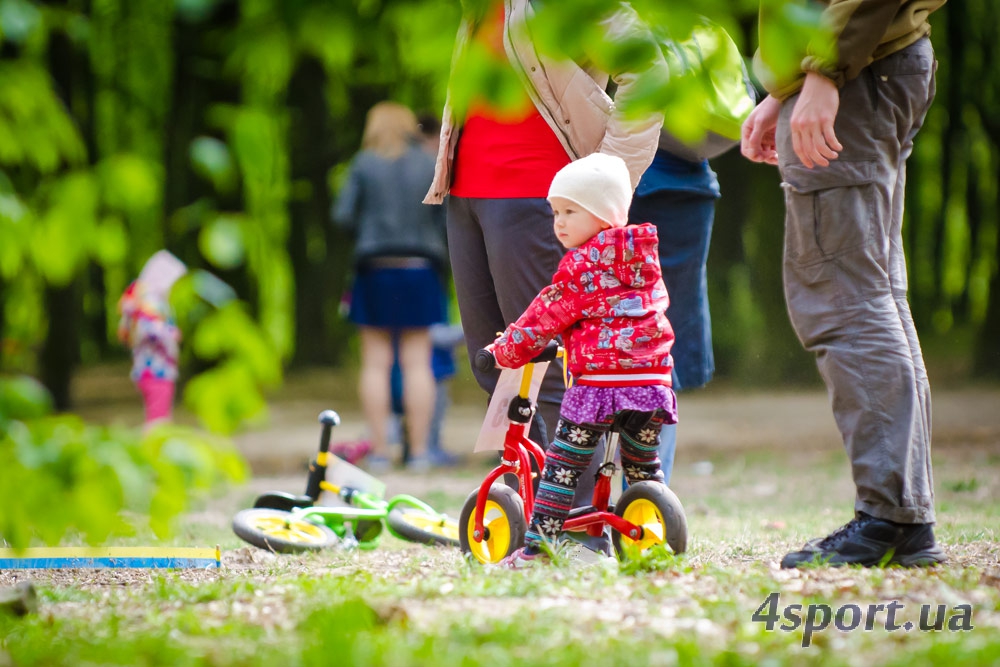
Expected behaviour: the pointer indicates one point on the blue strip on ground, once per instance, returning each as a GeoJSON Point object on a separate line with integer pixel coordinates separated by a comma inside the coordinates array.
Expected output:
{"type": "Point", "coordinates": [67, 563]}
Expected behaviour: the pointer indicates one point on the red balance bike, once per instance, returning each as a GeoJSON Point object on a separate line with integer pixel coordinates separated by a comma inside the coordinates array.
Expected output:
{"type": "Point", "coordinates": [495, 517]}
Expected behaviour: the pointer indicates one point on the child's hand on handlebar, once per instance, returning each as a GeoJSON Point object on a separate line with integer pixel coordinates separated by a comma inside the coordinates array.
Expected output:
{"type": "Point", "coordinates": [486, 359]}
{"type": "Point", "coordinates": [489, 349]}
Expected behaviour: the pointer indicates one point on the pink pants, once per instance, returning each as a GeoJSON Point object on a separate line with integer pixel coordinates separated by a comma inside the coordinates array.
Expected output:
{"type": "Point", "coordinates": [157, 398]}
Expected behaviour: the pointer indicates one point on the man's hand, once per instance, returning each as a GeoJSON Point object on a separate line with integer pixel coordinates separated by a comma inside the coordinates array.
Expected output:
{"type": "Point", "coordinates": [758, 143]}
{"type": "Point", "coordinates": [812, 119]}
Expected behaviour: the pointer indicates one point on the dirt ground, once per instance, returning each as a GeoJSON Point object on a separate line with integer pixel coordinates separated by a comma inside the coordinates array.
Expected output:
{"type": "Point", "coordinates": [714, 420]}
{"type": "Point", "coordinates": [796, 425]}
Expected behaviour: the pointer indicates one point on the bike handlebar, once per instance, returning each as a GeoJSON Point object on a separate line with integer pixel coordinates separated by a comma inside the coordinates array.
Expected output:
{"type": "Point", "coordinates": [485, 360]}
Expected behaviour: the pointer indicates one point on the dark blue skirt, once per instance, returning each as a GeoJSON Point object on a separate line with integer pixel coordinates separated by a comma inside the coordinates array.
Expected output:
{"type": "Point", "coordinates": [397, 298]}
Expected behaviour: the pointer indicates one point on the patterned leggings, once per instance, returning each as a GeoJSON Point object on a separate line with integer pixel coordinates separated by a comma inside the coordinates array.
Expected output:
{"type": "Point", "coordinates": [571, 452]}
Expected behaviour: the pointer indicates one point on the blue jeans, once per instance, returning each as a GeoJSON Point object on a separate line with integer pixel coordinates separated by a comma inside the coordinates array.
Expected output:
{"type": "Point", "coordinates": [684, 225]}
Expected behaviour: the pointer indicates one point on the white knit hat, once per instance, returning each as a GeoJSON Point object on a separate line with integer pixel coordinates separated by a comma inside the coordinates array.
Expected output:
{"type": "Point", "coordinates": [599, 183]}
{"type": "Point", "coordinates": [160, 273]}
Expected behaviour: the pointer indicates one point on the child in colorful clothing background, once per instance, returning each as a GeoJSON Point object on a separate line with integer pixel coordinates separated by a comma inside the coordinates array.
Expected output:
{"type": "Point", "coordinates": [607, 300]}
{"type": "Point", "coordinates": [147, 327]}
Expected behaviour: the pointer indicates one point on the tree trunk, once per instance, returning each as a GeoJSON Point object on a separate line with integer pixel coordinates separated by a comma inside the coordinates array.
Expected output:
{"type": "Point", "coordinates": [954, 149]}
{"type": "Point", "coordinates": [60, 351]}
{"type": "Point", "coordinates": [64, 305]}
{"type": "Point", "coordinates": [755, 343]}
{"type": "Point", "coordinates": [311, 159]}
{"type": "Point", "coordinates": [973, 215]}
{"type": "Point", "coordinates": [987, 353]}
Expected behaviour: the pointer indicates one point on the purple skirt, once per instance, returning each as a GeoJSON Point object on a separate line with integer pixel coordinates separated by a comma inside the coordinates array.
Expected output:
{"type": "Point", "coordinates": [584, 404]}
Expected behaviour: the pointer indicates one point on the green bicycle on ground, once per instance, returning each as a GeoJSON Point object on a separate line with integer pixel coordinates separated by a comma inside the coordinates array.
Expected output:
{"type": "Point", "coordinates": [286, 523]}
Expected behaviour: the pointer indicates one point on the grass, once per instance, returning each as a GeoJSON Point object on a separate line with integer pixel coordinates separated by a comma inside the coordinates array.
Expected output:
{"type": "Point", "coordinates": [409, 605]}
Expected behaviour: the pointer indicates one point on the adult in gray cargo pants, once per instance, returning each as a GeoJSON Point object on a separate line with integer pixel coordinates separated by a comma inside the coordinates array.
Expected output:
{"type": "Point", "coordinates": [842, 157]}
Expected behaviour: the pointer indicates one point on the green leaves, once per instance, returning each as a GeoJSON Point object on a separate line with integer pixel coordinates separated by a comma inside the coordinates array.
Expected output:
{"type": "Point", "coordinates": [262, 55]}
{"type": "Point", "coordinates": [222, 243]}
{"type": "Point", "coordinates": [788, 31]}
{"type": "Point", "coordinates": [326, 32]}
{"type": "Point", "coordinates": [130, 184]}
{"type": "Point", "coordinates": [478, 75]}
{"type": "Point", "coordinates": [229, 394]}
{"type": "Point", "coordinates": [14, 229]}
{"type": "Point", "coordinates": [212, 161]}
{"type": "Point", "coordinates": [60, 477]}
{"type": "Point", "coordinates": [60, 240]}
{"type": "Point", "coordinates": [18, 19]}
{"type": "Point", "coordinates": [35, 128]}
{"type": "Point", "coordinates": [231, 331]}
{"type": "Point", "coordinates": [111, 243]}
{"type": "Point", "coordinates": [23, 397]}
{"type": "Point", "coordinates": [221, 399]}
{"type": "Point", "coordinates": [195, 10]}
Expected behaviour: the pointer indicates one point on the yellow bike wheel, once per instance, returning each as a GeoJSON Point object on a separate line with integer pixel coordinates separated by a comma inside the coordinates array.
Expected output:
{"type": "Point", "coordinates": [410, 523]}
{"type": "Point", "coordinates": [503, 523]}
{"type": "Point", "coordinates": [281, 532]}
{"type": "Point", "coordinates": [658, 513]}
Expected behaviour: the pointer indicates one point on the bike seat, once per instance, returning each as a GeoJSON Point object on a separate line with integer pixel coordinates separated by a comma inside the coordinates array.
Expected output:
{"type": "Point", "coordinates": [277, 500]}
{"type": "Point", "coordinates": [577, 511]}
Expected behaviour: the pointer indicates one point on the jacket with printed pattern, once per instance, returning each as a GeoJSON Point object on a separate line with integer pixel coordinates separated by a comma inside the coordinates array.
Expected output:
{"type": "Point", "coordinates": [608, 301]}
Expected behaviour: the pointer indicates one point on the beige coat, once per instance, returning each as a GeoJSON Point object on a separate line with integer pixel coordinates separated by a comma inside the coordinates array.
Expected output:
{"type": "Point", "coordinates": [570, 97]}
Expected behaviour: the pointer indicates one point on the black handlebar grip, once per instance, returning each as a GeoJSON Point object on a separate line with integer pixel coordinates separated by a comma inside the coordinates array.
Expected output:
{"type": "Point", "coordinates": [485, 361]}
{"type": "Point", "coordinates": [329, 419]}
{"type": "Point", "coordinates": [317, 471]}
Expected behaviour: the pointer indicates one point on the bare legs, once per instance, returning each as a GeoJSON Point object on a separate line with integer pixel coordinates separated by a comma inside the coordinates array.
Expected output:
{"type": "Point", "coordinates": [373, 384]}
{"type": "Point", "coordinates": [418, 385]}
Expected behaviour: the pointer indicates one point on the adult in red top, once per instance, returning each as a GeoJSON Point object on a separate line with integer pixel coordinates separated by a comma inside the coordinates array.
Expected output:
{"type": "Point", "coordinates": [496, 165]}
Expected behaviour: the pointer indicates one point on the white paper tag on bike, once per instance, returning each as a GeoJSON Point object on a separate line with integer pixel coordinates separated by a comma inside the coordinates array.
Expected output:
{"type": "Point", "coordinates": [491, 435]}
{"type": "Point", "coordinates": [341, 473]}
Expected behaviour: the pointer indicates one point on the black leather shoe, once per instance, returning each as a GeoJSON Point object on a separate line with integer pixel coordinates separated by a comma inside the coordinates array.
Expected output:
{"type": "Point", "coordinates": [870, 542]}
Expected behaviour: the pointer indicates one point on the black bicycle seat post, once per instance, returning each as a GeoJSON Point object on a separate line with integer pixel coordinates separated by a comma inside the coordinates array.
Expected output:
{"type": "Point", "coordinates": [317, 467]}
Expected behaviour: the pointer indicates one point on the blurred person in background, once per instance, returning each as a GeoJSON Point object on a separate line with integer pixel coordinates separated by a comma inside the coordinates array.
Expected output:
{"type": "Point", "coordinates": [147, 327]}
{"type": "Point", "coordinates": [677, 195]}
{"type": "Point", "coordinates": [399, 256]}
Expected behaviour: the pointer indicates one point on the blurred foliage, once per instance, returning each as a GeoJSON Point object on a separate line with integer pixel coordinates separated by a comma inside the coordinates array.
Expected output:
{"type": "Point", "coordinates": [215, 128]}
{"type": "Point", "coordinates": [61, 478]}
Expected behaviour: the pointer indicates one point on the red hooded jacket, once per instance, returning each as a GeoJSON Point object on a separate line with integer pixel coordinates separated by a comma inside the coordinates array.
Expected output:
{"type": "Point", "coordinates": [608, 301]}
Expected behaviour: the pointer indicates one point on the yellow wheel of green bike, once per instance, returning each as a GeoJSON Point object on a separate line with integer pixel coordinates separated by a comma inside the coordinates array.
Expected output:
{"type": "Point", "coordinates": [658, 513]}
{"type": "Point", "coordinates": [282, 532]}
{"type": "Point", "coordinates": [415, 525]}
{"type": "Point", "coordinates": [503, 523]}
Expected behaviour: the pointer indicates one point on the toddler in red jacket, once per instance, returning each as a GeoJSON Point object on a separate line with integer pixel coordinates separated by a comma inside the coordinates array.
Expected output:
{"type": "Point", "coordinates": [608, 302]}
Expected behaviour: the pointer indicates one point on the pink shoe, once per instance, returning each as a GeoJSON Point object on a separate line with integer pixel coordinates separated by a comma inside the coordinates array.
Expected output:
{"type": "Point", "coordinates": [351, 451]}
{"type": "Point", "coordinates": [520, 560]}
